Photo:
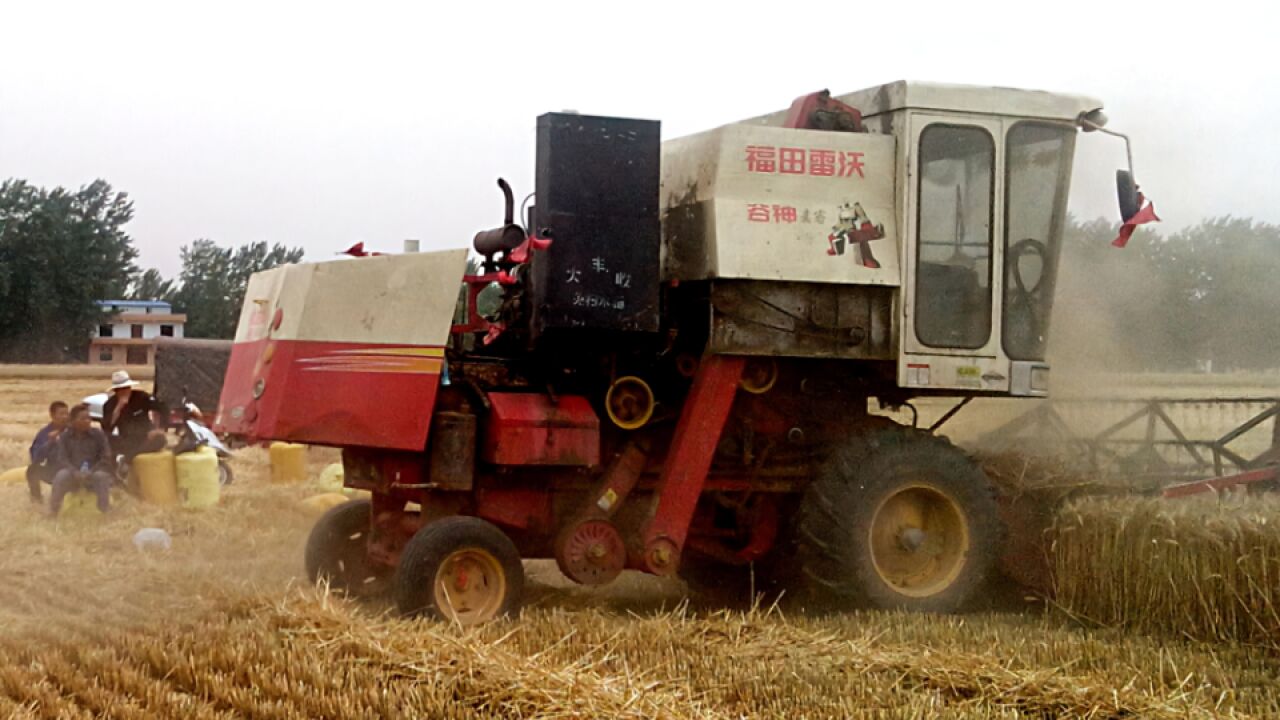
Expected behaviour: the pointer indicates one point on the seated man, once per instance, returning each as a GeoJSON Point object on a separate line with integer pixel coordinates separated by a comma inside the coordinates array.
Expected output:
{"type": "Point", "coordinates": [40, 470]}
{"type": "Point", "coordinates": [81, 460]}
{"type": "Point", "coordinates": [134, 416]}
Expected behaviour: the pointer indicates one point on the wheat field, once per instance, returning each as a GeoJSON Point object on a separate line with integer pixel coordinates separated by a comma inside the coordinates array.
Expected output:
{"type": "Point", "coordinates": [225, 626]}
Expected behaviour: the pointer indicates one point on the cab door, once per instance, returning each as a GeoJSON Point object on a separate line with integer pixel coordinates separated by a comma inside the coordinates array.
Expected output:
{"type": "Point", "coordinates": [950, 335]}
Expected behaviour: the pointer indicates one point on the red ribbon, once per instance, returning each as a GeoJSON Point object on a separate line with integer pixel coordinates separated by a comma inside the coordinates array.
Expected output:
{"type": "Point", "coordinates": [1145, 215]}
{"type": "Point", "coordinates": [358, 250]}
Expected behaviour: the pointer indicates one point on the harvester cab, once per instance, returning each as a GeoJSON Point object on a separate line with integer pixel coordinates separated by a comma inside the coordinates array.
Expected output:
{"type": "Point", "coordinates": [958, 198]}
{"type": "Point", "coordinates": [676, 375]}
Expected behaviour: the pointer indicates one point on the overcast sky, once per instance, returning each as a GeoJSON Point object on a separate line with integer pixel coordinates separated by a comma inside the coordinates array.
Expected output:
{"type": "Point", "coordinates": [319, 125]}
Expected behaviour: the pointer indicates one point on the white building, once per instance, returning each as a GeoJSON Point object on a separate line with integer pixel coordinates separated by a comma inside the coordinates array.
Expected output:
{"type": "Point", "coordinates": [128, 334]}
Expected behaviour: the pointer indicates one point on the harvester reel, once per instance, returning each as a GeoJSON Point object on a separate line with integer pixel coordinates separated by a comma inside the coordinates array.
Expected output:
{"type": "Point", "coordinates": [591, 552]}
{"type": "Point", "coordinates": [629, 402]}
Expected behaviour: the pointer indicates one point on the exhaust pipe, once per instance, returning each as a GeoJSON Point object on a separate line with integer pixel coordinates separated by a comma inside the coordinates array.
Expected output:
{"type": "Point", "coordinates": [502, 239]}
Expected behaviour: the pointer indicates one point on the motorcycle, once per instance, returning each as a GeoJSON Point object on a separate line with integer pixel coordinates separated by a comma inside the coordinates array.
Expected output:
{"type": "Point", "coordinates": [192, 433]}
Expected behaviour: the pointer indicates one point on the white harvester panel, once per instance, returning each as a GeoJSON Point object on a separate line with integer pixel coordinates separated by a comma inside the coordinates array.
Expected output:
{"type": "Point", "coordinates": [343, 353]}
{"type": "Point", "coordinates": [768, 203]}
{"type": "Point", "coordinates": [390, 299]}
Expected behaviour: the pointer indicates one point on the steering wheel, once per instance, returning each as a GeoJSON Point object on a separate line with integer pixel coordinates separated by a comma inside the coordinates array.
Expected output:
{"type": "Point", "coordinates": [1026, 296]}
{"type": "Point", "coordinates": [1013, 259]}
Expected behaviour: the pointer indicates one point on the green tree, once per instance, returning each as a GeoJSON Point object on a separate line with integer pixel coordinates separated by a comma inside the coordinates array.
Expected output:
{"type": "Point", "coordinates": [60, 251]}
{"type": "Point", "coordinates": [1221, 282]}
{"type": "Point", "coordinates": [1201, 297]}
{"type": "Point", "coordinates": [214, 279]}
{"type": "Point", "coordinates": [150, 285]}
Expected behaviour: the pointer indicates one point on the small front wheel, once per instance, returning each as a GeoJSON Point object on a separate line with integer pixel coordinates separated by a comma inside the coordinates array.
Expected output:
{"type": "Point", "coordinates": [460, 569]}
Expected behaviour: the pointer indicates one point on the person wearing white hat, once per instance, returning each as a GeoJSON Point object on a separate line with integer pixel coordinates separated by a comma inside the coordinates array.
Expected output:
{"type": "Point", "coordinates": [131, 417]}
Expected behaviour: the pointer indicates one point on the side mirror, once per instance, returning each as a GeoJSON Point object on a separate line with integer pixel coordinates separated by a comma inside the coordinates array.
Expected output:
{"type": "Point", "coordinates": [1127, 192]}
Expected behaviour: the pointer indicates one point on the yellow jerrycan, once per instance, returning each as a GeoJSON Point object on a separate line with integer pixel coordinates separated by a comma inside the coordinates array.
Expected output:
{"type": "Point", "coordinates": [15, 475]}
{"type": "Point", "coordinates": [153, 472]}
{"type": "Point", "coordinates": [288, 462]}
{"type": "Point", "coordinates": [78, 506]}
{"type": "Point", "coordinates": [317, 505]}
{"type": "Point", "coordinates": [198, 478]}
{"type": "Point", "coordinates": [331, 478]}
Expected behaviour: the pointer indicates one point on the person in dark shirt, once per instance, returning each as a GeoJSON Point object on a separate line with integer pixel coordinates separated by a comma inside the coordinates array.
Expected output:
{"type": "Point", "coordinates": [81, 460]}
{"type": "Point", "coordinates": [133, 415]}
{"type": "Point", "coordinates": [40, 471]}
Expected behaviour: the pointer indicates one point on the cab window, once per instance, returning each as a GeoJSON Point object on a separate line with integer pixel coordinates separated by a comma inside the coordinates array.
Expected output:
{"type": "Point", "coordinates": [953, 254]}
{"type": "Point", "coordinates": [1038, 166]}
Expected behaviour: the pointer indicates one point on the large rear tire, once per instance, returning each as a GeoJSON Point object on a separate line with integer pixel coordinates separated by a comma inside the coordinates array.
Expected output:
{"type": "Point", "coordinates": [899, 520]}
{"type": "Point", "coordinates": [460, 569]}
{"type": "Point", "coordinates": [337, 551]}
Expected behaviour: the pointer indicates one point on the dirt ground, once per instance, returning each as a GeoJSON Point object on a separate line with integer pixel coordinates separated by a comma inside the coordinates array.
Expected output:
{"type": "Point", "coordinates": [224, 625]}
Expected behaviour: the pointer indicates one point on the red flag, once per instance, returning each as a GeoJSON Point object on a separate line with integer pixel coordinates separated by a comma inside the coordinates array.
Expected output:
{"type": "Point", "coordinates": [522, 253]}
{"type": "Point", "coordinates": [358, 250]}
{"type": "Point", "coordinates": [1145, 215]}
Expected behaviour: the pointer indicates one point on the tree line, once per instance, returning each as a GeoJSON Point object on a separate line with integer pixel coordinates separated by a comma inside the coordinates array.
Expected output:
{"type": "Point", "coordinates": [1204, 297]}
{"type": "Point", "coordinates": [63, 250]}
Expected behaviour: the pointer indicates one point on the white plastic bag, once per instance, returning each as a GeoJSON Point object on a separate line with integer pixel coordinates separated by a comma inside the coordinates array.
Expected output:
{"type": "Point", "coordinates": [152, 539]}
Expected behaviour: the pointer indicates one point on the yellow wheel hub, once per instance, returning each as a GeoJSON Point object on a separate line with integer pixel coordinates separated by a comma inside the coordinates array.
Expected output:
{"type": "Point", "coordinates": [759, 375]}
{"type": "Point", "coordinates": [919, 540]}
{"type": "Point", "coordinates": [470, 586]}
{"type": "Point", "coordinates": [629, 402]}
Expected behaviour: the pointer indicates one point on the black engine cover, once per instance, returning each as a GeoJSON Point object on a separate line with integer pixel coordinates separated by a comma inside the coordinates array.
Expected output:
{"type": "Point", "coordinates": [597, 195]}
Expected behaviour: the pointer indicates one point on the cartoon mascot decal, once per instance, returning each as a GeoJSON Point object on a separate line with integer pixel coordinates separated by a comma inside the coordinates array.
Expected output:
{"type": "Point", "coordinates": [853, 226]}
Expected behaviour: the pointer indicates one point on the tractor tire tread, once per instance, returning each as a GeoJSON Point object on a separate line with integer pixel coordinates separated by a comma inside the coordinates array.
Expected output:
{"type": "Point", "coordinates": [837, 508]}
{"type": "Point", "coordinates": [422, 555]}
{"type": "Point", "coordinates": [325, 545]}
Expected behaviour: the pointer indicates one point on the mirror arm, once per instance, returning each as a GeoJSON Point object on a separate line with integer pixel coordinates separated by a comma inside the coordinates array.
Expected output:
{"type": "Point", "coordinates": [1128, 150]}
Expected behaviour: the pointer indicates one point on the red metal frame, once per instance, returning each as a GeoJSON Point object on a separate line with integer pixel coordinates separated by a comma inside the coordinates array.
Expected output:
{"type": "Point", "coordinates": [1218, 484]}
{"type": "Point", "coordinates": [764, 533]}
{"type": "Point", "coordinates": [800, 115]}
{"type": "Point", "coordinates": [476, 284]}
{"type": "Point", "coordinates": [532, 429]}
{"type": "Point", "coordinates": [523, 508]}
{"type": "Point", "coordinates": [618, 482]}
{"type": "Point", "coordinates": [343, 394]}
{"type": "Point", "coordinates": [685, 471]}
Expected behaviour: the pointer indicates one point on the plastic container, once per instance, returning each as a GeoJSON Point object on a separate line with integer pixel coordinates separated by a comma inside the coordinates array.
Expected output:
{"type": "Point", "coordinates": [154, 474]}
{"type": "Point", "coordinates": [16, 475]}
{"type": "Point", "coordinates": [319, 504]}
{"type": "Point", "coordinates": [331, 478]}
{"type": "Point", "coordinates": [197, 472]}
{"type": "Point", "coordinates": [152, 539]}
{"type": "Point", "coordinates": [79, 505]}
{"type": "Point", "coordinates": [288, 462]}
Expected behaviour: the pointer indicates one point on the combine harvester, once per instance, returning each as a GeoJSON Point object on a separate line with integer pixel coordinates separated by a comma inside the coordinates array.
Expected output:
{"type": "Point", "coordinates": [679, 376]}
